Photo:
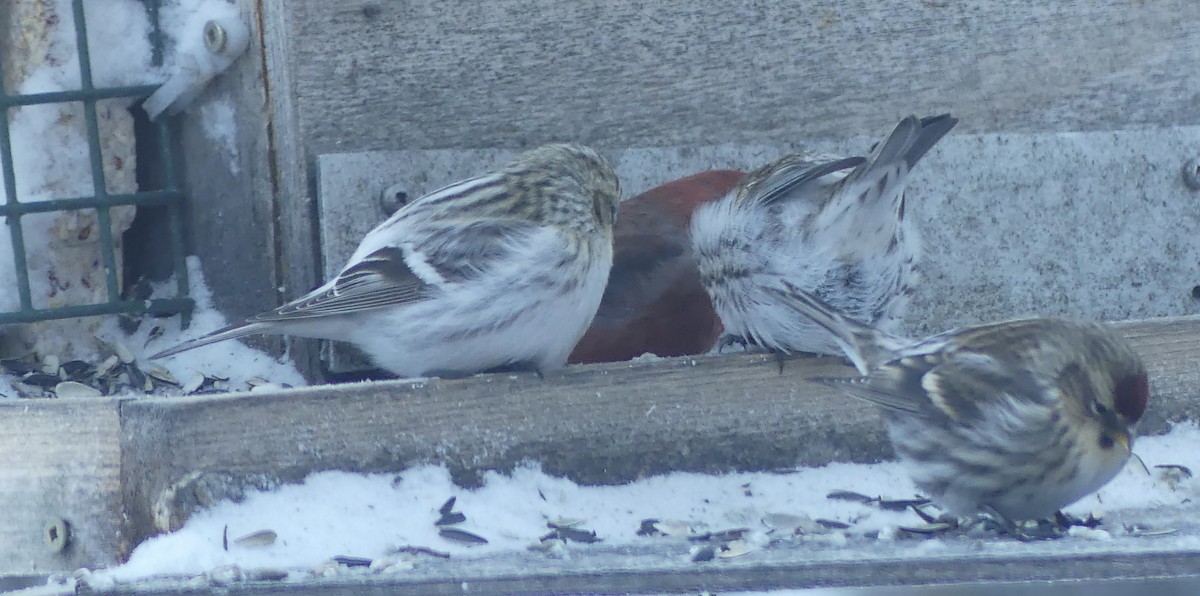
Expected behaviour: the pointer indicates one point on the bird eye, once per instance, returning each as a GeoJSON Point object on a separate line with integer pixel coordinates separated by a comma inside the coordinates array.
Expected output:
{"type": "Point", "coordinates": [1098, 408]}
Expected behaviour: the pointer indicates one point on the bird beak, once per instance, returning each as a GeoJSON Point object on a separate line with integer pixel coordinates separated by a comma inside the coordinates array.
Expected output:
{"type": "Point", "coordinates": [1122, 439]}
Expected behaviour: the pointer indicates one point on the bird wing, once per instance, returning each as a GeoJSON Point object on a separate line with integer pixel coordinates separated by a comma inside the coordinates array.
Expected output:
{"type": "Point", "coordinates": [788, 174]}
{"type": "Point", "coordinates": [413, 270]}
{"type": "Point", "coordinates": [959, 385]}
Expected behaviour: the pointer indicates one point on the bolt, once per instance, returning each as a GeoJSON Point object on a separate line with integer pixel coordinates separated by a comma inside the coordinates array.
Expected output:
{"type": "Point", "coordinates": [214, 37]}
{"type": "Point", "coordinates": [392, 199]}
{"type": "Point", "coordinates": [1191, 173]}
{"type": "Point", "coordinates": [57, 535]}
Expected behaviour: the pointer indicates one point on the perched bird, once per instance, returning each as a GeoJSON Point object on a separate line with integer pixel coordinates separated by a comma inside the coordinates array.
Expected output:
{"type": "Point", "coordinates": [502, 270]}
{"type": "Point", "coordinates": [654, 302]}
{"type": "Point", "coordinates": [1018, 418]}
{"type": "Point", "coordinates": [809, 223]}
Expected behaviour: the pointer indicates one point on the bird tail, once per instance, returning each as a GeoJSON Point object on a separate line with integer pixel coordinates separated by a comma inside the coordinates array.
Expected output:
{"type": "Point", "coordinates": [932, 129]}
{"type": "Point", "coordinates": [222, 334]}
{"type": "Point", "coordinates": [865, 346]}
{"type": "Point", "coordinates": [874, 192]}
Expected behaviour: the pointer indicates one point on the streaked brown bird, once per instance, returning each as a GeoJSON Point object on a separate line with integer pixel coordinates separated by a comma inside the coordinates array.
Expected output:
{"type": "Point", "coordinates": [654, 301]}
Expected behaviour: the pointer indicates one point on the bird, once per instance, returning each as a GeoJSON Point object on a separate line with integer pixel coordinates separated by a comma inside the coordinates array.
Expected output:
{"type": "Point", "coordinates": [833, 227]}
{"type": "Point", "coordinates": [503, 270]}
{"type": "Point", "coordinates": [654, 302]}
{"type": "Point", "coordinates": [1016, 419]}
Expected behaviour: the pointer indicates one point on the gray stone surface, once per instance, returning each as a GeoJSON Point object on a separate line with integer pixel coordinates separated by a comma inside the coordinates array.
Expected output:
{"type": "Point", "coordinates": [1092, 225]}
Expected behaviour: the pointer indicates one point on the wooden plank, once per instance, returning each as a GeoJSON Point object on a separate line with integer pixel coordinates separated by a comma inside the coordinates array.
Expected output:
{"type": "Point", "coordinates": [367, 75]}
{"type": "Point", "coordinates": [986, 258]}
{"type": "Point", "coordinates": [297, 264]}
{"type": "Point", "coordinates": [911, 573]}
{"type": "Point", "coordinates": [419, 74]}
{"type": "Point", "coordinates": [595, 424]}
{"type": "Point", "coordinates": [61, 462]}
{"type": "Point", "coordinates": [232, 211]}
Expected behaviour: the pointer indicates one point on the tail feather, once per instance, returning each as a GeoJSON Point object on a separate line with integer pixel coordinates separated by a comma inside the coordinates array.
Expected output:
{"type": "Point", "coordinates": [865, 346]}
{"type": "Point", "coordinates": [908, 142]}
{"type": "Point", "coordinates": [222, 334]}
{"type": "Point", "coordinates": [933, 128]}
{"type": "Point", "coordinates": [893, 149]}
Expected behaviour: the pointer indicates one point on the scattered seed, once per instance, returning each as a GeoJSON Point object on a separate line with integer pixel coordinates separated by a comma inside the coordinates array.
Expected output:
{"type": "Point", "coordinates": [571, 534]}
{"type": "Point", "coordinates": [159, 373]}
{"type": "Point", "coordinates": [448, 506]}
{"type": "Point", "coordinates": [794, 524]}
{"type": "Point", "coordinates": [155, 332]}
{"type": "Point", "coordinates": [649, 527]}
{"type": "Point", "coordinates": [137, 378]}
{"type": "Point", "coordinates": [1173, 474]}
{"type": "Point", "coordinates": [421, 550]}
{"type": "Point", "coordinates": [259, 538]}
{"type": "Point", "coordinates": [50, 364]}
{"type": "Point", "coordinates": [901, 504]}
{"type": "Point", "coordinates": [722, 536]}
{"type": "Point", "coordinates": [20, 367]}
{"type": "Point", "coordinates": [42, 380]}
{"type": "Point", "coordinates": [122, 352]}
{"type": "Point", "coordinates": [73, 369]}
{"type": "Point", "coordinates": [225, 538]}
{"type": "Point", "coordinates": [346, 561]}
{"type": "Point", "coordinates": [460, 535]}
{"type": "Point", "coordinates": [833, 524]}
{"type": "Point", "coordinates": [849, 495]}
{"type": "Point", "coordinates": [550, 546]}
{"type": "Point", "coordinates": [105, 367]}
{"type": "Point", "coordinates": [703, 553]}
{"type": "Point", "coordinates": [736, 548]}
{"type": "Point", "coordinates": [921, 512]}
{"type": "Point", "coordinates": [449, 519]}
{"type": "Point", "coordinates": [75, 389]}
{"type": "Point", "coordinates": [253, 382]}
{"type": "Point", "coordinates": [193, 384]}
{"type": "Point", "coordinates": [931, 528]}
{"type": "Point", "coordinates": [1144, 531]}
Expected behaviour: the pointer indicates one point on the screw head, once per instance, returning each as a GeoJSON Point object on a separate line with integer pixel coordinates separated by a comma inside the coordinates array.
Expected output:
{"type": "Point", "coordinates": [214, 37]}
{"type": "Point", "coordinates": [1191, 173]}
{"type": "Point", "coordinates": [57, 535]}
{"type": "Point", "coordinates": [393, 198]}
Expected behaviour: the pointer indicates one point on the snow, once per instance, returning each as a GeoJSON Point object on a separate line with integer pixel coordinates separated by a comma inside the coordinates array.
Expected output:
{"type": "Point", "coordinates": [374, 516]}
{"type": "Point", "coordinates": [217, 116]}
{"type": "Point", "coordinates": [233, 360]}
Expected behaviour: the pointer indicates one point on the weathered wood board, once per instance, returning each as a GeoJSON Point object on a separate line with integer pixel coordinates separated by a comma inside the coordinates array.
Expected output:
{"type": "Point", "coordinates": [605, 423]}
{"type": "Point", "coordinates": [1093, 225]}
{"type": "Point", "coordinates": [61, 461]}
{"type": "Point", "coordinates": [367, 75]}
{"type": "Point", "coordinates": [1098, 571]}
{"type": "Point", "coordinates": [224, 161]}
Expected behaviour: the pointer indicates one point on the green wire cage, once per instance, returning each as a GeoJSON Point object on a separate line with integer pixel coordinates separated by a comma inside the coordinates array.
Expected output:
{"type": "Point", "coordinates": [167, 194]}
